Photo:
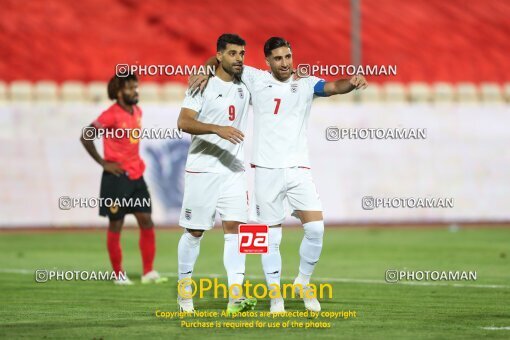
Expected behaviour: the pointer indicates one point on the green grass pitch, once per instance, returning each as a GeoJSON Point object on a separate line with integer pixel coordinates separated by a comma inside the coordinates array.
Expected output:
{"type": "Point", "coordinates": [354, 260]}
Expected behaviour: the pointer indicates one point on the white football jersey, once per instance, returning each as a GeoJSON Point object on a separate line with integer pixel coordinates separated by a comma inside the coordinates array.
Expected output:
{"type": "Point", "coordinates": [221, 103]}
{"type": "Point", "coordinates": [281, 111]}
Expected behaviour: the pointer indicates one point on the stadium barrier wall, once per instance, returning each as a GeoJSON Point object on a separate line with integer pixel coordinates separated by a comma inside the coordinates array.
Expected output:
{"type": "Point", "coordinates": [464, 156]}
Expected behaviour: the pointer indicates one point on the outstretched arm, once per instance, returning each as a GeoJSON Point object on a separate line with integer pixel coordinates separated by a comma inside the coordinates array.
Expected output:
{"type": "Point", "coordinates": [198, 82]}
{"type": "Point", "coordinates": [342, 86]}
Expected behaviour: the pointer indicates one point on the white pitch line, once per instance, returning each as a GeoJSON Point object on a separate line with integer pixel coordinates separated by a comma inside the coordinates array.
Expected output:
{"type": "Point", "coordinates": [315, 279]}
{"type": "Point", "coordinates": [17, 271]}
{"type": "Point", "coordinates": [497, 328]}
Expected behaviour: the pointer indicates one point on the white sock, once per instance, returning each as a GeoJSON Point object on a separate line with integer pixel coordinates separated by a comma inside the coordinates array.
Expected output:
{"type": "Point", "coordinates": [234, 263]}
{"type": "Point", "coordinates": [310, 250]}
{"type": "Point", "coordinates": [187, 253]}
{"type": "Point", "coordinates": [272, 261]}
{"type": "Point", "coordinates": [303, 279]}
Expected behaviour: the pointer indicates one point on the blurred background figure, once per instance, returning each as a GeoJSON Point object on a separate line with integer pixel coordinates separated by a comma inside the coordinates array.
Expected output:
{"type": "Point", "coordinates": [123, 188]}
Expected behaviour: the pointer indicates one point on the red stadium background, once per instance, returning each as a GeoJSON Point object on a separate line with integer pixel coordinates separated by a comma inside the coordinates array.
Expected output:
{"type": "Point", "coordinates": [430, 41]}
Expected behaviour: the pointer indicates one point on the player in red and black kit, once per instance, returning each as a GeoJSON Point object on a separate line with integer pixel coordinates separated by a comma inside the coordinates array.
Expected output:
{"type": "Point", "coordinates": [123, 175]}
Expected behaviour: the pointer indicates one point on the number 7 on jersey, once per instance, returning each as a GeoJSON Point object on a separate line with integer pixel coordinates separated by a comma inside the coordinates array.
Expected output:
{"type": "Point", "coordinates": [277, 107]}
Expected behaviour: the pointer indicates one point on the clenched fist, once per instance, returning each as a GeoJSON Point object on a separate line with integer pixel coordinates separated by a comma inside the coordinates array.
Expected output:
{"type": "Point", "coordinates": [359, 82]}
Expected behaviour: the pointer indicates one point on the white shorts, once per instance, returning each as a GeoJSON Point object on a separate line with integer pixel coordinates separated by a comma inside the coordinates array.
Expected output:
{"type": "Point", "coordinates": [274, 186]}
{"type": "Point", "coordinates": [206, 192]}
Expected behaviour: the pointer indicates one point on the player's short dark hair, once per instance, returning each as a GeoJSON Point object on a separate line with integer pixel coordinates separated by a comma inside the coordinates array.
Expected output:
{"type": "Point", "coordinates": [117, 83]}
{"type": "Point", "coordinates": [228, 38]}
{"type": "Point", "coordinates": [274, 43]}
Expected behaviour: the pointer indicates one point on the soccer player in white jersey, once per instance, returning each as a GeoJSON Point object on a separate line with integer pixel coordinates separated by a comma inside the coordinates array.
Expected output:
{"type": "Point", "coordinates": [215, 177]}
{"type": "Point", "coordinates": [281, 105]}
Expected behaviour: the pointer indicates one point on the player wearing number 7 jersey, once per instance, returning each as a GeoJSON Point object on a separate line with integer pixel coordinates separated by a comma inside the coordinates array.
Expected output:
{"type": "Point", "coordinates": [281, 106]}
{"type": "Point", "coordinates": [215, 177]}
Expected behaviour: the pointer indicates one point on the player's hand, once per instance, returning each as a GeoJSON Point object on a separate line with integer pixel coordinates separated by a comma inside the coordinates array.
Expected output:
{"type": "Point", "coordinates": [231, 134]}
{"type": "Point", "coordinates": [113, 168]}
{"type": "Point", "coordinates": [359, 82]}
{"type": "Point", "coordinates": [197, 83]}
{"type": "Point", "coordinates": [295, 75]}
{"type": "Point", "coordinates": [299, 73]}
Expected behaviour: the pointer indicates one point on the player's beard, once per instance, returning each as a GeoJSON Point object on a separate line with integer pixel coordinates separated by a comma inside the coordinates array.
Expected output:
{"type": "Point", "coordinates": [232, 71]}
{"type": "Point", "coordinates": [130, 100]}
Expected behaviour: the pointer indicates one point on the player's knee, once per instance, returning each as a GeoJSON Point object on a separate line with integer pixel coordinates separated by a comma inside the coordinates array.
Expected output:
{"type": "Point", "coordinates": [230, 230]}
{"type": "Point", "coordinates": [195, 233]}
{"type": "Point", "coordinates": [231, 227]}
{"type": "Point", "coordinates": [147, 224]}
{"type": "Point", "coordinates": [314, 230]}
{"type": "Point", "coordinates": [145, 221]}
{"type": "Point", "coordinates": [115, 226]}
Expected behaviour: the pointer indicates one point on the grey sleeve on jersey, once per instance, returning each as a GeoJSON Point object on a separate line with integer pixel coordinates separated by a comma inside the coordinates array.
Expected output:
{"type": "Point", "coordinates": [193, 102]}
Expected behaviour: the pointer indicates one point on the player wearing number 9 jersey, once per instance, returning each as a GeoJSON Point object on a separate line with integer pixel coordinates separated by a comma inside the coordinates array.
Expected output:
{"type": "Point", "coordinates": [281, 106]}
{"type": "Point", "coordinates": [215, 177]}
